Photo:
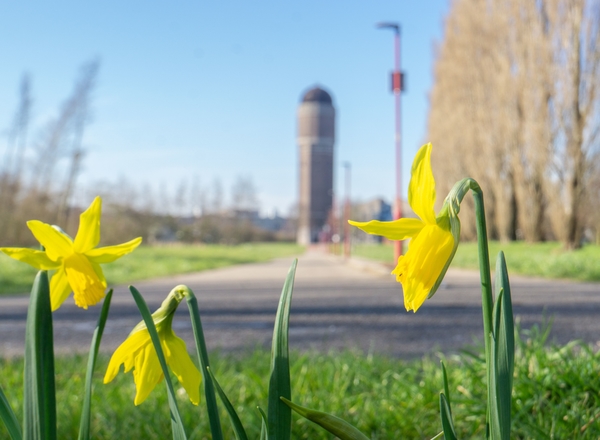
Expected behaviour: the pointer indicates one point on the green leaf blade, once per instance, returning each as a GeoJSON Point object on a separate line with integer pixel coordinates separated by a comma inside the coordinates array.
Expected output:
{"type": "Point", "coordinates": [9, 418]}
{"type": "Point", "coordinates": [502, 363]}
{"type": "Point", "coordinates": [446, 416]}
{"type": "Point", "coordinates": [238, 428]}
{"type": "Point", "coordinates": [84, 424]}
{"type": "Point", "coordinates": [264, 431]}
{"type": "Point", "coordinates": [446, 386]}
{"type": "Point", "coordinates": [279, 414]}
{"type": "Point", "coordinates": [333, 424]}
{"type": "Point", "coordinates": [506, 330]}
{"type": "Point", "coordinates": [39, 402]}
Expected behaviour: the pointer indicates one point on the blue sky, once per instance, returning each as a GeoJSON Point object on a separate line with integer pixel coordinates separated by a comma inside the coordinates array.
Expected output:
{"type": "Point", "coordinates": [206, 90]}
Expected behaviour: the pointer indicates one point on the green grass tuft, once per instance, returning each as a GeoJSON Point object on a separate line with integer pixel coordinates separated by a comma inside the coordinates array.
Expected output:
{"type": "Point", "coordinates": [556, 394]}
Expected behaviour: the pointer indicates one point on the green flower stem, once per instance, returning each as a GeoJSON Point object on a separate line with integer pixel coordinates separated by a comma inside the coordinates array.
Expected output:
{"type": "Point", "coordinates": [487, 300]}
{"type": "Point", "coordinates": [452, 204]}
{"type": "Point", "coordinates": [209, 389]}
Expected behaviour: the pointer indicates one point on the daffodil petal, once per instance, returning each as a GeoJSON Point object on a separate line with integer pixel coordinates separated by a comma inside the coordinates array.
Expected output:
{"type": "Point", "coordinates": [147, 373]}
{"type": "Point", "coordinates": [87, 287]}
{"type": "Point", "coordinates": [59, 289]}
{"type": "Point", "coordinates": [58, 245]}
{"type": "Point", "coordinates": [182, 366]}
{"type": "Point", "coordinates": [88, 235]}
{"type": "Point", "coordinates": [109, 254]}
{"type": "Point", "coordinates": [37, 259]}
{"type": "Point", "coordinates": [421, 190]}
{"type": "Point", "coordinates": [422, 265]}
{"type": "Point", "coordinates": [394, 230]}
{"type": "Point", "coordinates": [125, 354]}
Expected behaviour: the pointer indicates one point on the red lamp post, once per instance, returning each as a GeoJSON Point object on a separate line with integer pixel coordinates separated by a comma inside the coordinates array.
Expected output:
{"type": "Point", "coordinates": [397, 88]}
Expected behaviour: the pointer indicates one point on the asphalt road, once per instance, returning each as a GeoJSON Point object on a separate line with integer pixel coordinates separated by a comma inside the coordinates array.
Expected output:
{"type": "Point", "coordinates": [336, 305]}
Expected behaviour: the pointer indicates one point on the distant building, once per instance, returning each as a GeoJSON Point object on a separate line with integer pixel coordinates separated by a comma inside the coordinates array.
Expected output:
{"type": "Point", "coordinates": [316, 138]}
{"type": "Point", "coordinates": [274, 223]}
{"type": "Point", "coordinates": [375, 209]}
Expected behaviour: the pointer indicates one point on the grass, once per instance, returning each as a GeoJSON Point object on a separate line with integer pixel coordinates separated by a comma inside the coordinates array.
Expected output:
{"type": "Point", "coordinates": [546, 260]}
{"type": "Point", "coordinates": [556, 394]}
{"type": "Point", "coordinates": [150, 262]}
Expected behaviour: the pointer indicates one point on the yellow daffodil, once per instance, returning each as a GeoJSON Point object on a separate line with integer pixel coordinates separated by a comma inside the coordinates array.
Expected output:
{"type": "Point", "coordinates": [77, 262]}
{"type": "Point", "coordinates": [138, 353]}
{"type": "Point", "coordinates": [434, 239]}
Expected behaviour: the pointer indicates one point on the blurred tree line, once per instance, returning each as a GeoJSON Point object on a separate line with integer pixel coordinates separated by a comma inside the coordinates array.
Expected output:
{"type": "Point", "coordinates": [40, 168]}
{"type": "Point", "coordinates": [193, 214]}
{"type": "Point", "coordinates": [38, 180]}
{"type": "Point", "coordinates": [516, 105]}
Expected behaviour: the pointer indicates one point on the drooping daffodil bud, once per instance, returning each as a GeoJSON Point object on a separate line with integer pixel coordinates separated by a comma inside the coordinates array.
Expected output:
{"type": "Point", "coordinates": [138, 354]}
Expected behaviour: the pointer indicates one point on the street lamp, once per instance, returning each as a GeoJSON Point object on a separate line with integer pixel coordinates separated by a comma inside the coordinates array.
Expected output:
{"type": "Point", "coordinates": [397, 88]}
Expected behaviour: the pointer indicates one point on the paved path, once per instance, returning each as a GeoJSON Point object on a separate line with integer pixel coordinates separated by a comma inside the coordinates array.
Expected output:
{"type": "Point", "coordinates": [335, 306]}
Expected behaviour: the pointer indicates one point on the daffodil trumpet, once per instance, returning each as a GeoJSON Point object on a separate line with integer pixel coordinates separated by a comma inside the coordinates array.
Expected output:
{"type": "Point", "coordinates": [76, 262]}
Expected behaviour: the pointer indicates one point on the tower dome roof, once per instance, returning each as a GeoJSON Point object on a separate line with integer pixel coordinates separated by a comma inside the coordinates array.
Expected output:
{"type": "Point", "coordinates": [317, 94]}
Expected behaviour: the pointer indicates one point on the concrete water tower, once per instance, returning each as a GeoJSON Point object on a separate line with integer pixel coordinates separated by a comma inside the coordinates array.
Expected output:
{"type": "Point", "coordinates": [316, 138]}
